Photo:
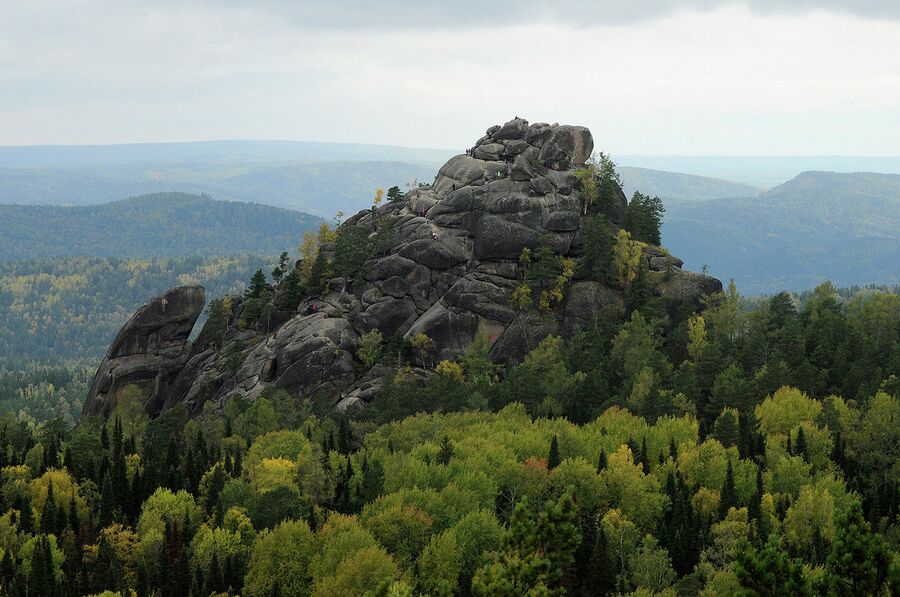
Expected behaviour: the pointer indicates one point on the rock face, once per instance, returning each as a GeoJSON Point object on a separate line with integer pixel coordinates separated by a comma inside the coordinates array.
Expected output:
{"type": "Point", "coordinates": [447, 271]}
{"type": "Point", "coordinates": [148, 352]}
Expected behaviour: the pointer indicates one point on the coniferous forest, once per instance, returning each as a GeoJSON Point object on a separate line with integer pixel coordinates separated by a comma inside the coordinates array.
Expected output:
{"type": "Point", "coordinates": [742, 451]}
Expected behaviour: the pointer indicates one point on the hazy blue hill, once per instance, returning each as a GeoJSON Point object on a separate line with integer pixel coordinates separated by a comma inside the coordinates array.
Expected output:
{"type": "Point", "coordinates": [817, 226]}
{"type": "Point", "coordinates": [161, 225]}
{"type": "Point", "coordinates": [321, 188]}
{"type": "Point", "coordinates": [206, 152]}
{"type": "Point", "coordinates": [675, 186]}
{"type": "Point", "coordinates": [313, 186]}
{"type": "Point", "coordinates": [760, 171]}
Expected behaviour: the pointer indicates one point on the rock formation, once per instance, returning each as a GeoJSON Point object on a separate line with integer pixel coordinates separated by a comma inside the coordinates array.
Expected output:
{"type": "Point", "coordinates": [448, 270]}
{"type": "Point", "coordinates": [149, 351]}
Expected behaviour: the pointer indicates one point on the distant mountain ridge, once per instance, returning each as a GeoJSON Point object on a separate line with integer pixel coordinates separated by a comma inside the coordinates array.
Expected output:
{"type": "Point", "coordinates": [676, 186]}
{"type": "Point", "coordinates": [161, 225]}
{"type": "Point", "coordinates": [816, 226]}
{"type": "Point", "coordinates": [194, 152]}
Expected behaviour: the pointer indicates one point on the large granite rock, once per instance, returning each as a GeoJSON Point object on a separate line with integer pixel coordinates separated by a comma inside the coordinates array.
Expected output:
{"type": "Point", "coordinates": [449, 273]}
{"type": "Point", "coordinates": [149, 351]}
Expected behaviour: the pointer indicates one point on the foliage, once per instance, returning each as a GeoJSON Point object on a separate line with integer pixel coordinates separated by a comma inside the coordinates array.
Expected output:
{"type": "Point", "coordinates": [68, 308]}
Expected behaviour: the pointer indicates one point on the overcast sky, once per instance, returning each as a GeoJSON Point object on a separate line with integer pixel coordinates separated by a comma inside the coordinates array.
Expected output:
{"type": "Point", "coordinates": [648, 77]}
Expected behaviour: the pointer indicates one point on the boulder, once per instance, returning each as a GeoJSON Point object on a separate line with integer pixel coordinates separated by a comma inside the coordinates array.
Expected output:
{"type": "Point", "coordinates": [148, 352]}
{"type": "Point", "coordinates": [448, 271]}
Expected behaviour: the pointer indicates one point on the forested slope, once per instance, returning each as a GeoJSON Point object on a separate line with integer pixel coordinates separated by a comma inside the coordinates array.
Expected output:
{"type": "Point", "coordinates": [626, 462]}
{"type": "Point", "coordinates": [62, 309]}
{"type": "Point", "coordinates": [161, 225]}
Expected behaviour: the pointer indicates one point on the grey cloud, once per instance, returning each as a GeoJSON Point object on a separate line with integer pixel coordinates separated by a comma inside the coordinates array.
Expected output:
{"type": "Point", "coordinates": [405, 14]}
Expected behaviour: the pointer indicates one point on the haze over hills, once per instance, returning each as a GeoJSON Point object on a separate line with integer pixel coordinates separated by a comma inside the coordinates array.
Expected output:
{"type": "Point", "coordinates": [161, 225]}
{"type": "Point", "coordinates": [675, 186]}
{"type": "Point", "coordinates": [762, 171]}
{"type": "Point", "coordinates": [817, 226]}
{"type": "Point", "coordinates": [322, 178]}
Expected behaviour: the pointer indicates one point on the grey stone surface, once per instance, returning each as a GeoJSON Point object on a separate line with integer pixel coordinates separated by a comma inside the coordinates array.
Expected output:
{"type": "Point", "coordinates": [449, 271]}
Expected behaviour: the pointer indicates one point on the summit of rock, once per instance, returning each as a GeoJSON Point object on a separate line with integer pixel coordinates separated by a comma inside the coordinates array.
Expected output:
{"type": "Point", "coordinates": [447, 267]}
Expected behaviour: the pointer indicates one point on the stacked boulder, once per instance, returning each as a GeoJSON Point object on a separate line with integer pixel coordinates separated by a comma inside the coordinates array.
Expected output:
{"type": "Point", "coordinates": [448, 272]}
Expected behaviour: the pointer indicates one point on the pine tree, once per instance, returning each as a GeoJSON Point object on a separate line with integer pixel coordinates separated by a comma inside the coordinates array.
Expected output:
{"type": "Point", "coordinates": [48, 515]}
{"type": "Point", "coordinates": [642, 458]}
{"type": "Point", "coordinates": [394, 194]}
{"type": "Point", "coordinates": [860, 560]}
{"type": "Point", "coordinates": [800, 447]}
{"type": "Point", "coordinates": [728, 495]}
{"type": "Point", "coordinates": [598, 255]}
{"type": "Point", "coordinates": [754, 508]}
{"type": "Point", "coordinates": [26, 516]}
{"type": "Point", "coordinates": [446, 451]}
{"type": "Point", "coordinates": [238, 466]}
{"type": "Point", "coordinates": [107, 503]}
{"type": "Point", "coordinates": [538, 550]}
{"type": "Point", "coordinates": [553, 458]}
{"type": "Point", "coordinates": [73, 520]}
{"type": "Point", "coordinates": [41, 580]}
{"type": "Point", "coordinates": [68, 463]}
{"type": "Point", "coordinates": [7, 567]}
{"type": "Point", "coordinates": [258, 283]}
{"type": "Point", "coordinates": [602, 576]}
{"type": "Point", "coordinates": [601, 461]}
{"type": "Point", "coordinates": [345, 437]}
{"type": "Point", "coordinates": [770, 571]}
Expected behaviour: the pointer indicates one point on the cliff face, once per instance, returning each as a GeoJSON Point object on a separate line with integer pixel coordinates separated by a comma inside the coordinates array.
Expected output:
{"type": "Point", "coordinates": [447, 269]}
{"type": "Point", "coordinates": [149, 351]}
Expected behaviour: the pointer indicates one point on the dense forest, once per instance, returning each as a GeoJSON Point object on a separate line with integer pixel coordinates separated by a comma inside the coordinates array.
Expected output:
{"type": "Point", "coordinates": [71, 308]}
{"type": "Point", "coordinates": [160, 225]}
{"type": "Point", "coordinates": [735, 453]}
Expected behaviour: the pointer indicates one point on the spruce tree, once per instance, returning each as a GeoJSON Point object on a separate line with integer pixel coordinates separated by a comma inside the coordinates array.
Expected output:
{"type": "Point", "coordinates": [642, 458]}
{"type": "Point", "coordinates": [800, 446]}
{"type": "Point", "coordinates": [602, 575]}
{"type": "Point", "coordinates": [446, 451]}
{"type": "Point", "coordinates": [345, 437]}
{"type": "Point", "coordinates": [728, 495]}
{"type": "Point", "coordinates": [601, 461]}
{"type": "Point", "coordinates": [770, 570]}
{"type": "Point", "coordinates": [257, 285]}
{"type": "Point", "coordinates": [553, 459]}
{"type": "Point", "coordinates": [860, 560]}
{"type": "Point", "coordinates": [48, 515]}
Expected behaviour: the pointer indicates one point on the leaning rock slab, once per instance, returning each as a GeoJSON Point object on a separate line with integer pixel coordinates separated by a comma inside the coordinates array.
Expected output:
{"type": "Point", "coordinates": [148, 352]}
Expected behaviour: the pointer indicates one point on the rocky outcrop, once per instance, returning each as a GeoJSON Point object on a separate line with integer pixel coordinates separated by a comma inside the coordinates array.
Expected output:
{"type": "Point", "coordinates": [149, 351]}
{"type": "Point", "coordinates": [447, 270]}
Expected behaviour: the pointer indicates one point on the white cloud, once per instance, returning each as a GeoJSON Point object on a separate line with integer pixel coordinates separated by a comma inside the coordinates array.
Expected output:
{"type": "Point", "coordinates": [723, 80]}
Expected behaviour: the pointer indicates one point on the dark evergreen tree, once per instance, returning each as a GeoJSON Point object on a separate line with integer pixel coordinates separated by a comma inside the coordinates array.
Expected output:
{"type": "Point", "coordinates": [48, 515]}
{"type": "Point", "coordinates": [553, 458]}
{"type": "Point", "coordinates": [728, 495]}
{"type": "Point", "coordinates": [345, 436]}
{"type": "Point", "coordinates": [770, 571]}
{"type": "Point", "coordinates": [601, 461]}
{"type": "Point", "coordinates": [258, 284]}
{"type": "Point", "coordinates": [598, 251]}
{"type": "Point", "coordinates": [446, 451]}
{"type": "Point", "coordinates": [859, 562]}
{"type": "Point", "coordinates": [642, 456]}
{"type": "Point", "coordinates": [800, 448]}
{"type": "Point", "coordinates": [394, 194]}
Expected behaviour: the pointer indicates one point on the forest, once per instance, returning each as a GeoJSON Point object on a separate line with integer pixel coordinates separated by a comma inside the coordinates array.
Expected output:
{"type": "Point", "coordinates": [735, 452]}
{"type": "Point", "coordinates": [61, 309]}
{"type": "Point", "coordinates": [149, 226]}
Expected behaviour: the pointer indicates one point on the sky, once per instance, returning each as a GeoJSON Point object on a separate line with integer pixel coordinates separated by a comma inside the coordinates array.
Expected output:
{"type": "Point", "coordinates": [674, 77]}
